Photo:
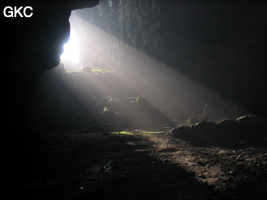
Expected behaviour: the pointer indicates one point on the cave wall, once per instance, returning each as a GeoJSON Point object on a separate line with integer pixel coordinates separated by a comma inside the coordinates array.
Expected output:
{"type": "Point", "coordinates": [31, 47]}
{"type": "Point", "coordinates": [34, 45]}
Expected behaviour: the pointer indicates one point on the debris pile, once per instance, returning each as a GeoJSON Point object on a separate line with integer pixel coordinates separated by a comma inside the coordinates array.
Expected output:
{"type": "Point", "coordinates": [243, 131]}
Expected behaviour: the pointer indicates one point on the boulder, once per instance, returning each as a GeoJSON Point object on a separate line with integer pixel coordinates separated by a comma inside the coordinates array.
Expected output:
{"type": "Point", "coordinates": [245, 130]}
{"type": "Point", "coordinates": [184, 133]}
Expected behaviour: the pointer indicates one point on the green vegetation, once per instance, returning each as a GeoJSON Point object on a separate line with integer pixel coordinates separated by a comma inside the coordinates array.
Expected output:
{"type": "Point", "coordinates": [133, 100]}
{"type": "Point", "coordinates": [74, 72]}
{"type": "Point", "coordinates": [150, 132]}
{"type": "Point", "coordinates": [123, 133]}
{"type": "Point", "coordinates": [100, 71]}
{"type": "Point", "coordinates": [132, 132]}
{"type": "Point", "coordinates": [93, 70]}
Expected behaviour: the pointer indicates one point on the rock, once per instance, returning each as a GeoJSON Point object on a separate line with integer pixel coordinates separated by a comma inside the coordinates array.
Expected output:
{"type": "Point", "coordinates": [184, 133]}
{"type": "Point", "coordinates": [227, 123]}
{"type": "Point", "coordinates": [253, 128]}
{"type": "Point", "coordinates": [204, 125]}
{"type": "Point", "coordinates": [246, 130]}
{"type": "Point", "coordinates": [228, 130]}
{"type": "Point", "coordinates": [252, 122]}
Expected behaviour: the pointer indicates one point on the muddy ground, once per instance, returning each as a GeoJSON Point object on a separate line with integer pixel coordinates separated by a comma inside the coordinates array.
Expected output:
{"type": "Point", "coordinates": [75, 166]}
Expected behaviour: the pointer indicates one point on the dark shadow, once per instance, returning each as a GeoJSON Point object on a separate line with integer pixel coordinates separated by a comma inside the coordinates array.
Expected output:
{"type": "Point", "coordinates": [96, 166]}
{"type": "Point", "coordinates": [244, 132]}
{"type": "Point", "coordinates": [57, 166]}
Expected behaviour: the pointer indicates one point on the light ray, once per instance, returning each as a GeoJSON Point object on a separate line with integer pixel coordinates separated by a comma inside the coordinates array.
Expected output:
{"type": "Point", "coordinates": [136, 74]}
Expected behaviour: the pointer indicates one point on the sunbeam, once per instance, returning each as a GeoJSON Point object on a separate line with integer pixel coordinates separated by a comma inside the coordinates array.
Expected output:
{"type": "Point", "coordinates": [162, 96]}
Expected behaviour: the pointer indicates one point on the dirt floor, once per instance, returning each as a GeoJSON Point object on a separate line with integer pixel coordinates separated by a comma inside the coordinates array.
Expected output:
{"type": "Point", "coordinates": [75, 166]}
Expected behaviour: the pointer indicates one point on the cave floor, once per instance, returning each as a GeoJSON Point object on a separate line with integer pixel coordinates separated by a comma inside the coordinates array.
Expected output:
{"type": "Point", "coordinates": [73, 166]}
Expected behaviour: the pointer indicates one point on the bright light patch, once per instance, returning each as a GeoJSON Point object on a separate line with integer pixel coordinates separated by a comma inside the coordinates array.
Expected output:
{"type": "Point", "coordinates": [71, 50]}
